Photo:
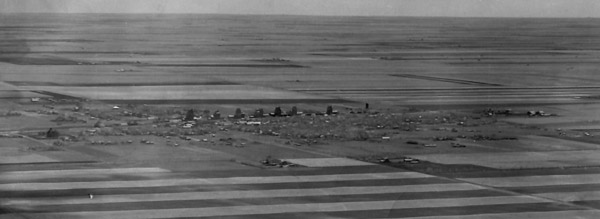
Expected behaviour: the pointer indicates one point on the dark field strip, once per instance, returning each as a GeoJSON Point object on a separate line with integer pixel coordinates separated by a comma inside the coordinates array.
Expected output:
{"type": "Point", "coordinates": [558, 36]}
{"type": "Point", "coordinates": [466, 54]}
{"type": "Point", "coordinates": [556, 188]}
{"type": "Point", "coordinates": [26, 27]}
{"type": "Point", "coordinates": [4, 210]}
{"type": "Point", "coordinates": [10, 92]}
{"type": "Point", "coordinates": [263, 201]}
{"type": "Point", "coordinates": [114, 177]}
{"type": "Point", "coordinates": [482, 209]}
{"type": "Point", "coordinates": [526, 172]}
{"type": "Point", "coordinates": [3, 165]}
{"type": "Point", "coordinates": [32, 83]}
{"type": "Point", "coordinates": [422, 90]}
{"type": "Point", "coordinates": [261, 44]}
{"type": "Point", "coordinates": [207, 188]}
{"type": "Point", "coordinates": [552, 62]}
{"type": "Point", "coordinates": [56, 95]}
{"type": "Point", "coordinates": [79, 165]}
{"type": "Point", "coordinates": [593, 204]}
{"type": "Point", "coordinates": [35, 61]}
{"type": "Point", "coordinates": [471, 106]}
{"type": "Point", "coordinates": [41, 83]}
{"type": "Point", "coordinates": [78, 52]}
{"type": "Point", "coordinates": [229, 101]}
{"type": "Point", "coordinates": [14, 98]}
{"type": "Point", "coordinates": [470, 94]}
{"type": "Point", "coordinates": [229, 65]}
{"type": "Point", "coordinates": [416, 212]}
{"type": "Point", "coordinates": [50, 40]}
{"type": "Point", "coordinates": [431, 59]}
{"type": "Point", "coordinates": [444, 170]}
{"type": "Point", "coordinates": [450, 80]}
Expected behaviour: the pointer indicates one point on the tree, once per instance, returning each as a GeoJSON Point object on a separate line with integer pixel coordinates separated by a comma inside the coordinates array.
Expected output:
{"type": "Point", "coordinates": [238, 113]}
{"type": "Point", "coordinates": [189, 116]}
{"type": "Point", "coordinates": [277, 111]}
{"type": "Point", "coordinates": [329, 110]}
{"type": "Point", "coordinates": [294, 111]}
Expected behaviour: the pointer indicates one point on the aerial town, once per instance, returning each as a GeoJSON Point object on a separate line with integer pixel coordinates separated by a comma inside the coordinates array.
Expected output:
{"type": "Point", "coordinates": [235, 116]}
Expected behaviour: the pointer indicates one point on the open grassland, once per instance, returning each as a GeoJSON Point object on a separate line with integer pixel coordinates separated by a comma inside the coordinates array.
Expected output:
{"type": "Point", "coordinates": [179, 92]}
{"type": "Point", "coordinates": [396, 62]}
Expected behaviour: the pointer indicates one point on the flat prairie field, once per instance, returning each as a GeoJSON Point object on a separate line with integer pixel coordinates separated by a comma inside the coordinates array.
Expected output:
{"type": "Point", "coordinates": [400, 61]}
{"type": "Point", "coordinates": [179, 92]}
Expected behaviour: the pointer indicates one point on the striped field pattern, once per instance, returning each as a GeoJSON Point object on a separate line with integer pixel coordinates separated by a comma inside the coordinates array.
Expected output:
{"type": "Point", "coordinates": [369, 191]}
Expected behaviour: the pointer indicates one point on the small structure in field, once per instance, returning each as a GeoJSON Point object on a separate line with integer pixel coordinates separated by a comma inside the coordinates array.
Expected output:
{"type": "Point", "coordinates": [52, 133]}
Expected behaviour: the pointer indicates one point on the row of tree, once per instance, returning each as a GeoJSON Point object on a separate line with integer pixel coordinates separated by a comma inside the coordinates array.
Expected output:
{"type": "Point", "coordinates": [258, 113]}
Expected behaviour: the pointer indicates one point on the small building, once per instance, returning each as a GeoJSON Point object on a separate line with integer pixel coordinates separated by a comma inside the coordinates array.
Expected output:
{"type": "Point", "coordinates": [253, 123]}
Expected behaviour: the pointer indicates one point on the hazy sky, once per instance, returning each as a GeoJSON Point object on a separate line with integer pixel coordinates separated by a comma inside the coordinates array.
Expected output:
{"type": "Point", "coordinates": [462, 8]}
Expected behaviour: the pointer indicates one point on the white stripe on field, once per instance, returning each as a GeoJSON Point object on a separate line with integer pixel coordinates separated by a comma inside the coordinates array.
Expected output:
{"type": "Point", "coordinates": [101, 199]}
{"type": "Point", "coordinates": [288, 208]}
{"type": "Point", "coordinates": [551, 180]}
{"type": "Point", "coordinates": [208, 181]}
{"type": "Point", "coordinates": [42, 174]}
{"type": "Point", "coordinates": [581, 214]}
